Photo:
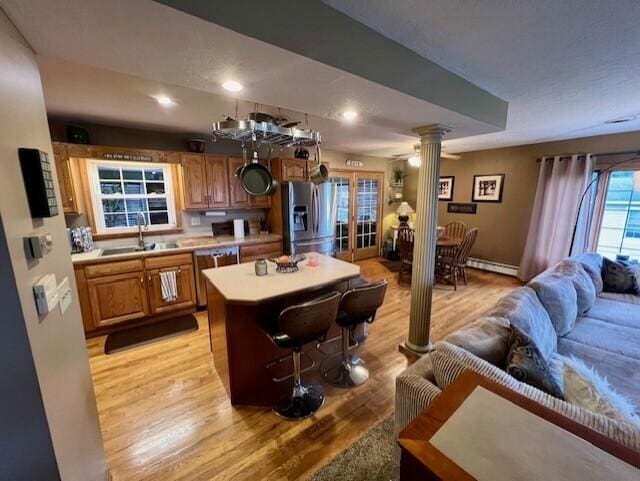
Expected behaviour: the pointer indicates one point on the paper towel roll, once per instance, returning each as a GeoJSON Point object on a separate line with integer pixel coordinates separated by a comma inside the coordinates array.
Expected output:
{"type": "Point", "coordinates": [238, 228]}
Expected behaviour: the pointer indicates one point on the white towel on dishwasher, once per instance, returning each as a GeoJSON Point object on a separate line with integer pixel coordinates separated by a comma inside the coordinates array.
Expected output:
{"type": "Point", "coordinates": [169, 286]}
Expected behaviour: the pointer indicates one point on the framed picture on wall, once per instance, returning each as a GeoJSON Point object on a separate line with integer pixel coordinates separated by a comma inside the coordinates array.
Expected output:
{"type": "Point", "coordinates": [487, 188]}
{"type": "Point", "coordinates": [445, 188]}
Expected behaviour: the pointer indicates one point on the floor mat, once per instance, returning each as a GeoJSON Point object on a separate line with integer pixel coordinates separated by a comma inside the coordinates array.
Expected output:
{"type": "Point", "coordinates": [138, 336]}
{"type": "Point", "coordinates": [393, 266]}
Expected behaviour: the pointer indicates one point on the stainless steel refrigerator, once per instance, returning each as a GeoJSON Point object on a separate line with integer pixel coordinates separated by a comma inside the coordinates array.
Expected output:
{"type": "Point", "coordinates": [309, 217]}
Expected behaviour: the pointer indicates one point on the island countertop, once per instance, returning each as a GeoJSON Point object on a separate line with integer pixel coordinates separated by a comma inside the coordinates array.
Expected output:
{"type": "Point", "coordinates": [239, 283]}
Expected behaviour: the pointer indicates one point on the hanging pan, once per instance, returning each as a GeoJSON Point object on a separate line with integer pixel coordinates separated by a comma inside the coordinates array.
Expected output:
{"type": "Point", "coordinates": [319, 174]}
{"type": "Point", "coordinates": [255, 178]}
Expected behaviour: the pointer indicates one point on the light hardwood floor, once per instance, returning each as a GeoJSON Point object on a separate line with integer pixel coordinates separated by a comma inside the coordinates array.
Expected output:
{"type": "Point", "coordinates": [165, 415]}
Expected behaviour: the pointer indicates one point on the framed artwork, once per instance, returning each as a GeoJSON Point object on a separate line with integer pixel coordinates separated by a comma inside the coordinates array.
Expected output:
{"type": "Point", "coordinates": [445, 188]}
{"type": "Point", "coordinates": [487, 188]}
{"type": "Point", "coordinates": [462, 208]}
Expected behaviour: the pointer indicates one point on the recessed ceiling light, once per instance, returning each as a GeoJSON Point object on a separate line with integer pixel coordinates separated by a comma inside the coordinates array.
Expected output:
{"type": "Point", "coordinates": [350, 115]}
{"type": "Point", "coordinates": [165, 101]}
{"type": "Point", "coordinates": [232, 86]}
{"type": "Point", "coordinates": [621, 120]}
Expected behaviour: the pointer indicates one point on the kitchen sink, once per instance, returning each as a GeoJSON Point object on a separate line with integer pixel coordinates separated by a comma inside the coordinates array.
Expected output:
{"type": "Point", "coordinates": [155, 246]}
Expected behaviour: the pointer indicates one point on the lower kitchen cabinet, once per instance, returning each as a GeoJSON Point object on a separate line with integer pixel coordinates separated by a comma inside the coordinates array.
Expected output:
{"type": "Point", "coordinates": [117, 298]}
{"type": "Point", "coordinates": [119, 293]}
{"type": "Point", "coordinates": [268, 250]}
{"type": "Point", "coordinates": [182, 265]}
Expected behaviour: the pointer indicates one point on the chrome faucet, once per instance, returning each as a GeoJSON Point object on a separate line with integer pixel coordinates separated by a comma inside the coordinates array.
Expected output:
{"type": "Point", "coordinates": [141, 221]}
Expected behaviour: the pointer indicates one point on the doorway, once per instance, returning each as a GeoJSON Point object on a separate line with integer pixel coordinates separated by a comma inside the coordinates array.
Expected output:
{"type": "Point", "coordinates": [359, 217]}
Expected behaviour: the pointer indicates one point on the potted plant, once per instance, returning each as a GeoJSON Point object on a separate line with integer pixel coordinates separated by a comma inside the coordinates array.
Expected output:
{"type": "Point", "coordinates": [398, 176]}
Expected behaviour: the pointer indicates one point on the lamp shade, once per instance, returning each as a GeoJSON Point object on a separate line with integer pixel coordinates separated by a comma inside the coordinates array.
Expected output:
{"type": "Point", "coordinates": [405, 208]}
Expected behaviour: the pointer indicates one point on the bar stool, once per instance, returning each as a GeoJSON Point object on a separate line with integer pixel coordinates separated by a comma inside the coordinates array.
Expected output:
{"type": "Point", "coordinates": [296, 326]}
{"type": "Point", "coordinates": [357, 305]}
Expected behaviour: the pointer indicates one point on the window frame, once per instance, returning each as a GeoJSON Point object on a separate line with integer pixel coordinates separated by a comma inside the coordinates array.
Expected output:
{"type": "Point", "coordinates": [96, 196]}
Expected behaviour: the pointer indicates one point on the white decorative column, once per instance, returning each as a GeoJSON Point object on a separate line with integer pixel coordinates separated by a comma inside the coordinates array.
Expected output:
{"type": "Point", "coordinates": [424, 249]}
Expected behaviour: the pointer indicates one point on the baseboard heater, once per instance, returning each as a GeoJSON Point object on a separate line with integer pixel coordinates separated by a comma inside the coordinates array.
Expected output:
{"type": "Point", "coordinates": [491, 266]}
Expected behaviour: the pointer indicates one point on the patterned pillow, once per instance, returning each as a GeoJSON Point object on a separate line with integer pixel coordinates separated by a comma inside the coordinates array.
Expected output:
{"type": "Point", "coordinates": [619, 277]}
{"type": "Point", "coordinates": [526, 363]}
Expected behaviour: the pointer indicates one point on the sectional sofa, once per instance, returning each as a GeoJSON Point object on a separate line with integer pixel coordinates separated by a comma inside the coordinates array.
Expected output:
{"type": "Point", "coordinates": [565, 311]}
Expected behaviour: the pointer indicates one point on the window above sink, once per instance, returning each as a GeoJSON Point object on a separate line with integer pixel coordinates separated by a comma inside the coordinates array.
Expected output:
{"type": "Point", "coordinates": [120, 190]}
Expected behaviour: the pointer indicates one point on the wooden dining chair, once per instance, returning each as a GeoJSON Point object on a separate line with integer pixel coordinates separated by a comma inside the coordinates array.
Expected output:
{"type": "Point", "coordinates": [405, 244]}
{"type": "Point", "coordinates": [450, 267]}
{"type": "Point", "coordinates": [455, 230]}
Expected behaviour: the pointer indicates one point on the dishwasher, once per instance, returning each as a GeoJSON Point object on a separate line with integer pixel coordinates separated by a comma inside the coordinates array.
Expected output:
{"type": "Point", "coordinates": [212, 258]}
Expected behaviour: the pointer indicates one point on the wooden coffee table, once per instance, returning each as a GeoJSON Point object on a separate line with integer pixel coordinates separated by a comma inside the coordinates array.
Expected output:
{"type": "Point", "coordinates": [422, 461]}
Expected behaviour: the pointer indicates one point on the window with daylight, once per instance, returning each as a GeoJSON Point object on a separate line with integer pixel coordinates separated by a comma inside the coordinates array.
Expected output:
{"type": "Point", "coordinates": [121, 190]}
{"type": "Point", "coordinates": [620, 230]}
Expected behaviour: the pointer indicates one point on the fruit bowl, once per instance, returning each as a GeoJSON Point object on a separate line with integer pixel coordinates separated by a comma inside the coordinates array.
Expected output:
{"type": "Point", "coordinates": [287, 264]}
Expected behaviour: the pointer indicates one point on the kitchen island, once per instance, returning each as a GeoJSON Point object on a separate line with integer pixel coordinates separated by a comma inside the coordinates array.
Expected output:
{"type": "Point", "coordinates": [239, 302]}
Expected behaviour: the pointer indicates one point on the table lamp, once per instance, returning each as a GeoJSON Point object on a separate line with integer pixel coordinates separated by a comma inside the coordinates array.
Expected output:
{"type": "Point", "coordinates": [404, 209]}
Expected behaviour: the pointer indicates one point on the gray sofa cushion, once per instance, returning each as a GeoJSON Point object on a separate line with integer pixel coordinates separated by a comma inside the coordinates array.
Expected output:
{"type": "Point", "coordinates": [592, 264]}
{"type": "Point", "coordinates": [487, 338]}
{"type": "Point", "coordinates": [558, 296]}
{"type": "Point", "coordinates": [523, 309]}
{"type": "Point", "coordinates": [622, 372]}
{"type": "Point", "coordinates": [630, 298]}
{"type": "Point", "coordinates": [585, 290]}
{"type": "Point", "coordinates": [607, 336]}
{"type": "Point", "coordinates": [615, 312]}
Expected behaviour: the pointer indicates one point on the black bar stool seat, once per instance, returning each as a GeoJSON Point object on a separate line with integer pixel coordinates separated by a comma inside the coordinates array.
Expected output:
{"type": "Point", "coordinates": [296, 326]}
{"type": "Point", "coordinates": [358, 305]}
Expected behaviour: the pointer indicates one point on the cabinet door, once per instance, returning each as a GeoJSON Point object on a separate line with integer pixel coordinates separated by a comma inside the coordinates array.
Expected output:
{"type": "Point", "coordinates": [195, 181]}
{"type": "Point", "coordinates": [185, 284]}
{"type": "Point", "coordinates": [65, 180]}
{"type": "Point", "coordinates": [237, 195]}
{"type": "Point", "coordinates": [217, 180]}
{"type": "Point", "coordinates": [294, 170]}
{"type": "Point", "coordinates": [118, 298]}
{"type": "Point", "coordinates": [261, 201]}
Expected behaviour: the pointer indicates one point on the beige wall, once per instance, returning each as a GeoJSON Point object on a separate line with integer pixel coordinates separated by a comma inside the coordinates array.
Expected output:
{"type": "Point", "coordinates": [503, 227]}
{"type": "Point", "coordinates": [57, 341]}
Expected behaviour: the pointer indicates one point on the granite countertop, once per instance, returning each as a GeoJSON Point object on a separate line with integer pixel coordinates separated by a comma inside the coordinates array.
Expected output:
{"type": "Point", "coordinates": [239, 283]}
{"type": "Point", "coordinates": [185, 244]}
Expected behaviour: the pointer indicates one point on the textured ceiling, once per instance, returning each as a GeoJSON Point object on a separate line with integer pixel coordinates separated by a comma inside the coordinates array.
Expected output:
{"type": "Point", "coordinates": [153, 47]}
{"type": "Point", "coordinates": [564, 66]}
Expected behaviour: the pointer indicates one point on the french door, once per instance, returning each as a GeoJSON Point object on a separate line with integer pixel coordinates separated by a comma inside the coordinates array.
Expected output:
{"type": "Point", "coordinates": [359, 218]}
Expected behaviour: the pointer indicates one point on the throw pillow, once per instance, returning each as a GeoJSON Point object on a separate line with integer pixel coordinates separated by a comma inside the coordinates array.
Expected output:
{"type": "Point", "coordinates": [619, 277]}
{"type": "Point", "coordinates": [526, 363]}
{"type": "Point", "coordinates": [585, 289]}
{"type": "Point", "coordinates": [522, 308]}
{"type": "Point", "coordinates": [558, 296]}
{"type": "Point", "coordinates": [487, 338]}
{"type": "Point", "coordinates": [585, 387]}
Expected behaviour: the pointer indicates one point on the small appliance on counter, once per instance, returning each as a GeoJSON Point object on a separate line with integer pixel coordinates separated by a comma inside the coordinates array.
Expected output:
{"type": "Point", "coordinates": [81, 239]}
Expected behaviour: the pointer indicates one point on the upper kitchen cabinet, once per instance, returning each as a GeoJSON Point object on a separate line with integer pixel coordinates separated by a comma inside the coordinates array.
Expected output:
{"type": "Point", "coordinates": [294, 170]}
{"type": "Point", "coordinates": [68, 195]}
{"type": "Point", "coordinates": [205, 181]}
{"type": "Point", "coordinates": [238, 196]}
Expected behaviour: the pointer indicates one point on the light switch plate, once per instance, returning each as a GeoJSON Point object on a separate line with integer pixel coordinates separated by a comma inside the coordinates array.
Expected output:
{"type": "Point", "coordinates": [64, 294]}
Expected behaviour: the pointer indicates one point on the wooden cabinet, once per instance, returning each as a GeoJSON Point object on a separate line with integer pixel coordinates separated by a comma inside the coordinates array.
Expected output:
{"type": "Point", "coordinates": [182, 265]}
{"type": "Point", "coordinates": [260, 251]}
{"type": "Point", "coordinates": [122, 292]}
{"type": "Point", "coordinates": [293, 170]}
{"type": "Point", "coordinates": [238, 196]}
{"type": "Point", "coordinates": [205, 181]}
{"type": "Point", "coordinates": [118, 298]}
{"type": "Point", "coordinates": [68, 195]}
{"type": "Point", "coordinates": [194, 174]}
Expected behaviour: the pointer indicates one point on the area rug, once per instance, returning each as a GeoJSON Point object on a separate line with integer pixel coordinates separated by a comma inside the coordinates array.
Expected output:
{"type": "Point", "coordinates": [393, 266]}
{"type": "Point", "coordinates": [368, 459]}
{"type": "Point", "coordinates": [138, 336]}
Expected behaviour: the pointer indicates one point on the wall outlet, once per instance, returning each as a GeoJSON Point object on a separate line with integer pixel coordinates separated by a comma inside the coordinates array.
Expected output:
{"type": "Point", "coordinates": [195, 220]}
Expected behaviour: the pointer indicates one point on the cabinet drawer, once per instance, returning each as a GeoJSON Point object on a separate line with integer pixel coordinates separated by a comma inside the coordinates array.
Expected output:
{"type": "Point", "coordinates": [257, 251]}
{"type": "Point", "coordinates": [168, 261]}
{"type": "Point", "coordinates": [110, 268]}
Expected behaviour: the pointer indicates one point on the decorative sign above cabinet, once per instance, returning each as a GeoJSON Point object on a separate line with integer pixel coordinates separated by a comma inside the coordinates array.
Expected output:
{"type": "Point", "coordinates": [125, 156]}
{"type": "Point", "coordinates": [354, 163]}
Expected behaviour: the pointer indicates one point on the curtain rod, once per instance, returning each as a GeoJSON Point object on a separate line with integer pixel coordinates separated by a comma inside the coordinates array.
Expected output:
{"type": "Point", "coordinates": [624, 152]}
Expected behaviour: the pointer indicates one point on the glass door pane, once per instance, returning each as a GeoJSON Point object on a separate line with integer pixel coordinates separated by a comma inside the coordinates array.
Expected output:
{"type": "Point", "coordinates": [367, 215]}
{"type": "Point", "coordinates": [342, 244]}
